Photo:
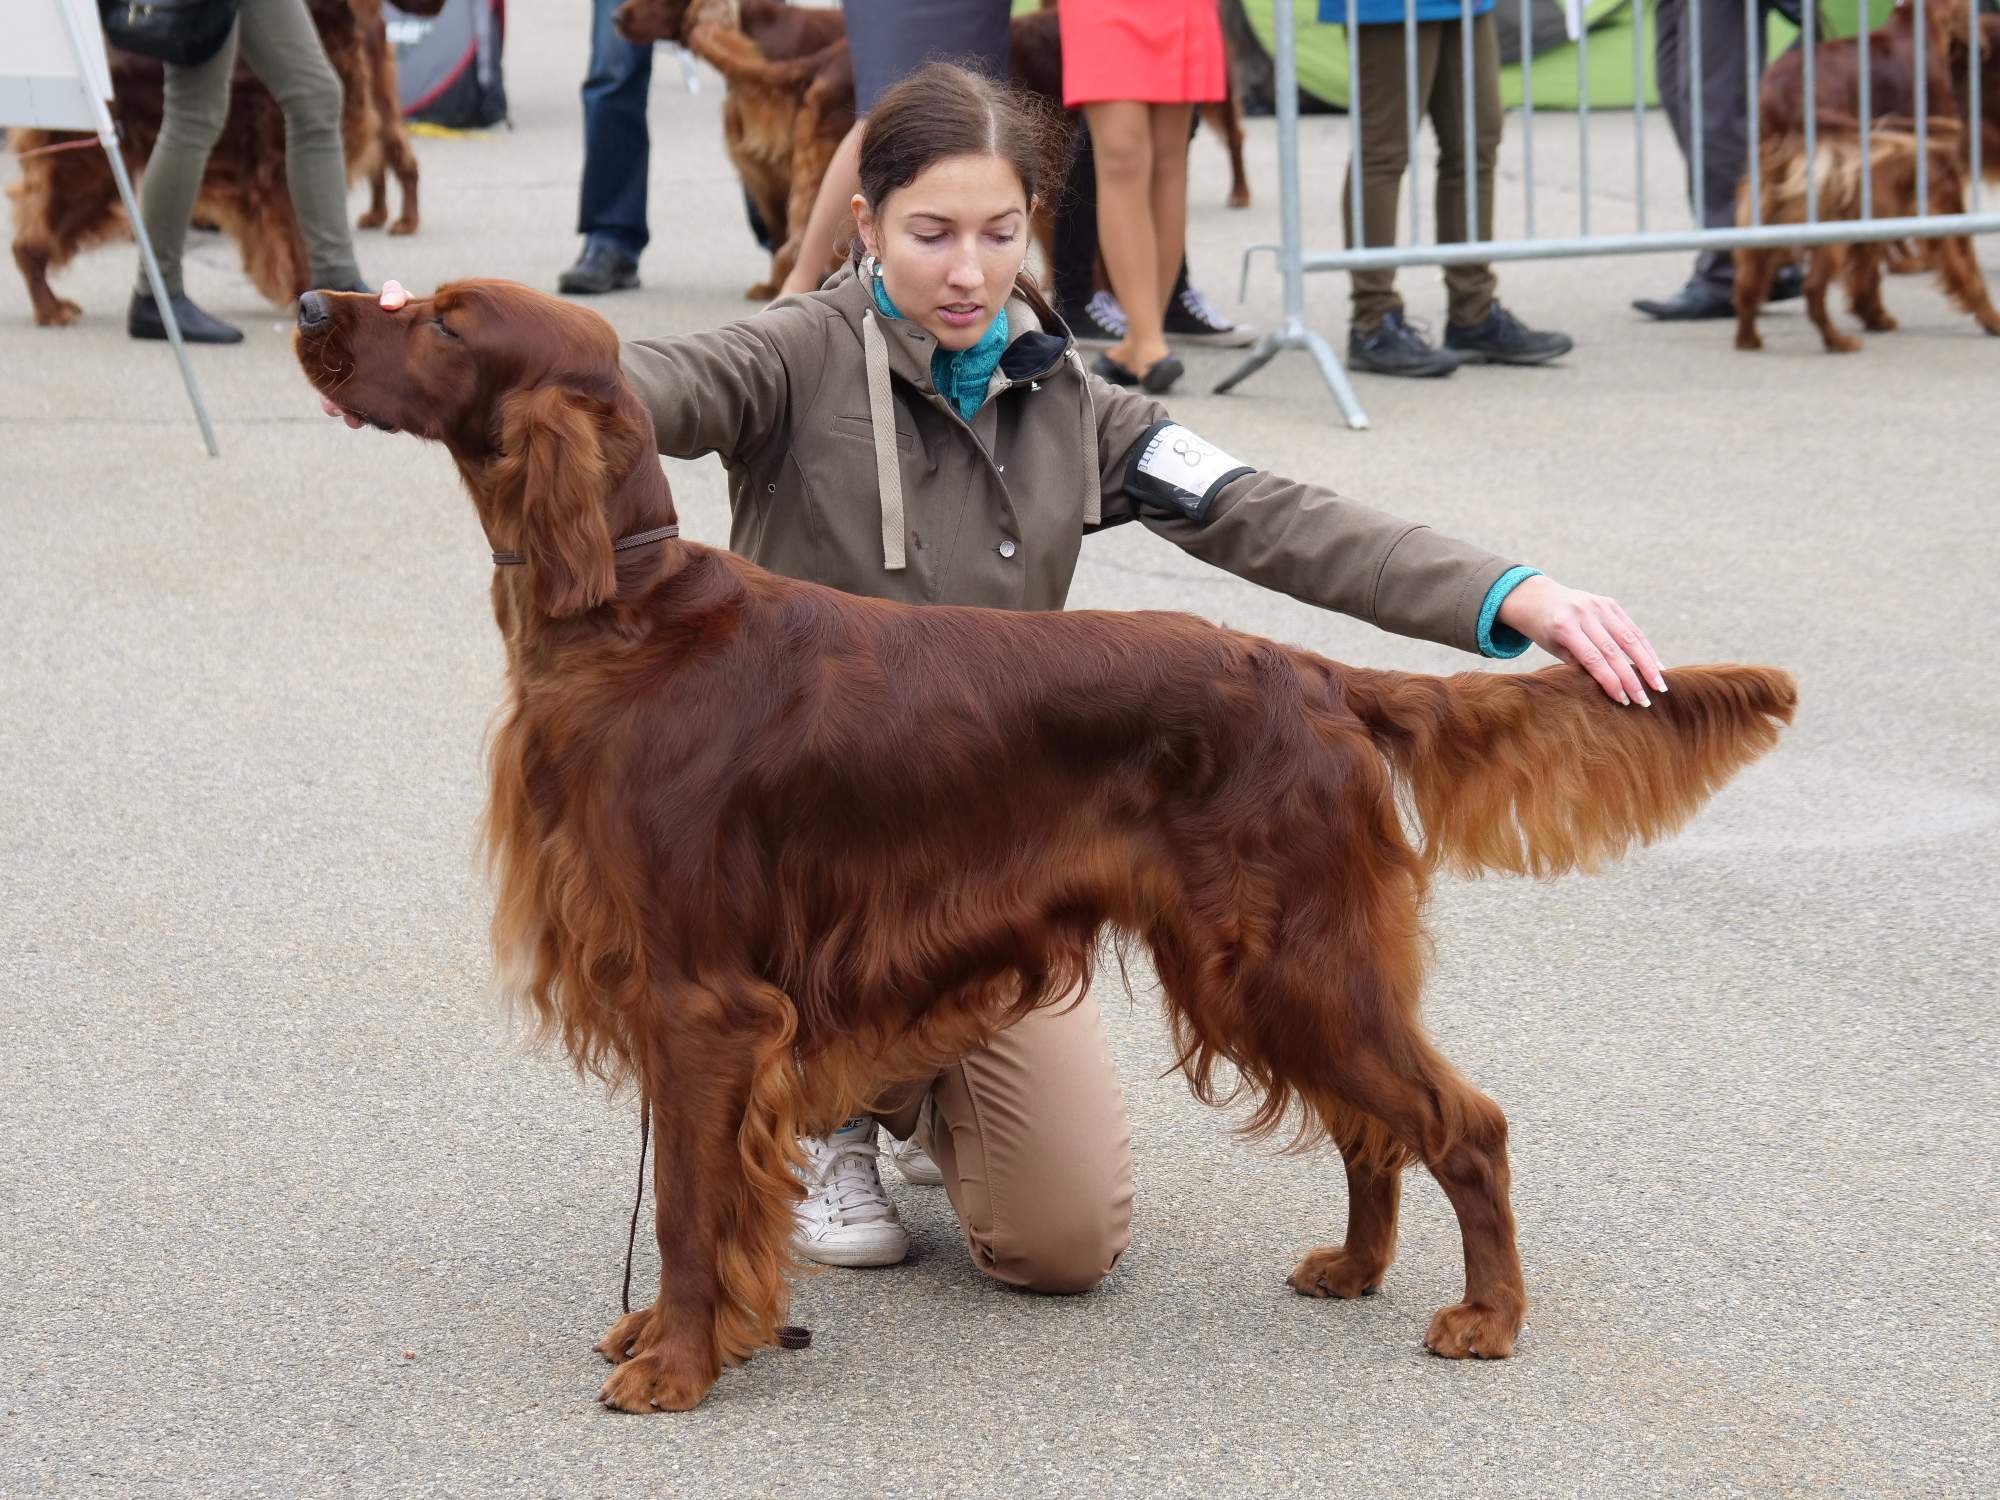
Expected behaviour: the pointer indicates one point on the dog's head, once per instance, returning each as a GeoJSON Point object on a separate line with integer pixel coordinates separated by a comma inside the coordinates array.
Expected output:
{"type": "Point", "coordinates": [526, 392]}
{"type": "Point", "coordinates": [644, 22]}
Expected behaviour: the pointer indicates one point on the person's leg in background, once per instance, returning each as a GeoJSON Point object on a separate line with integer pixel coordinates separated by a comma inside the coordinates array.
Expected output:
{"type": "Point", "coordinates": [282, 47]}
{"type": "Point", "coordinates": [1380, 338]}
{"type": "Point", "coordinates": [1030, 1137]}
{"type": "Point", "coordinates": [1724, 125]}
{"type": "Point", "coordinates": [611, 209]}
{"type": "Point", "coordinates": [1124, 138]}
{"type": "Point", "coordinates": [196, 102]}
{"type": "Point", "coordinates": [1093, 313]}
{"type": "Point", "coordinates": [1477, 328]}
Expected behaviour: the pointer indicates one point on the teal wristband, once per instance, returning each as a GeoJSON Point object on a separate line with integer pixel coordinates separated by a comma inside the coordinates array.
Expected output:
{"type": "Point", "coordinates": [1495, 639]}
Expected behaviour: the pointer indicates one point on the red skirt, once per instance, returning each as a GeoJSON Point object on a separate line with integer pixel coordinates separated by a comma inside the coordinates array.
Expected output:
{"type": "Point", "coordinates": [1150, 51]}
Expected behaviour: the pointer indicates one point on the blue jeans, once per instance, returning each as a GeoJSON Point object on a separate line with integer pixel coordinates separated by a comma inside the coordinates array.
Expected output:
{"type": "Point", "coordinates": [615, 144]}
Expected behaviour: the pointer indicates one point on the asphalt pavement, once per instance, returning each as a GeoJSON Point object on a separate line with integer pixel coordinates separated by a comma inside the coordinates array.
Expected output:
{"type": "Point", "coordinates": [292, 1211]}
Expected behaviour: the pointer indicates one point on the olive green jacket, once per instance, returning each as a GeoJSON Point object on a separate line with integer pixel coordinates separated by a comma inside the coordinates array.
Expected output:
{"type": "Point", "coordinates": [888, 492]}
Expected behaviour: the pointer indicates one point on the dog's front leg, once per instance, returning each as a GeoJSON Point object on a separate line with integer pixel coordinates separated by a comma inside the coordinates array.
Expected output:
{"type": "Point", "coordinates": [718, 1077]}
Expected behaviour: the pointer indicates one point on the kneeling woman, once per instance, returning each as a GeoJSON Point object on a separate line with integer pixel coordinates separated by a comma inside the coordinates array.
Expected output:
{"type": "Point", "coordinates": [922, 429]}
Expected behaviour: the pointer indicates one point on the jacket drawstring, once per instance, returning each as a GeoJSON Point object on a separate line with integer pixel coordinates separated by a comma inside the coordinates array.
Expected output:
{"type": "Point", "coordinates": [1093, 483]}
{"type": "Point", "coordinates": [882, 419]}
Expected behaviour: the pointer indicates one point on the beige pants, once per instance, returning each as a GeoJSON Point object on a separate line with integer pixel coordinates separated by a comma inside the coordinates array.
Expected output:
{"type": "Point", "coordinates": [1031, 1136]}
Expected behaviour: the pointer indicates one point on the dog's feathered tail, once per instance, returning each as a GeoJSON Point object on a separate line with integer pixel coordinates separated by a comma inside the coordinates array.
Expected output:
{"type": "Point", "coordinates": [1539, 773]}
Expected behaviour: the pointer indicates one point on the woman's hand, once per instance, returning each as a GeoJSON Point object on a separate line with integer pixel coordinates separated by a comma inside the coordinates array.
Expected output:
{"type": "Point", "coordinates": [1588, 631]}
{"type": "Point", "coordinates": [393, 297]}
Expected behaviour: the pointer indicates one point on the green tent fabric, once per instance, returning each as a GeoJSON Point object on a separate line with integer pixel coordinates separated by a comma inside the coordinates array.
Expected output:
{"type": "Point", "coordinates": [1322, 52]}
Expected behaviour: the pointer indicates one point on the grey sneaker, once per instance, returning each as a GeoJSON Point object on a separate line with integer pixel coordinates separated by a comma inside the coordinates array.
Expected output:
{"type": "Point", "coordinates": [1500, 338]}
{"type": "Point", "coordinates": [1396, 348]}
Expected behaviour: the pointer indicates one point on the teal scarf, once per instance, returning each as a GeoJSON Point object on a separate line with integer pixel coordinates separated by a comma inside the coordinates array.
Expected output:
{"type": "Point", "coordinates": [960, 376]}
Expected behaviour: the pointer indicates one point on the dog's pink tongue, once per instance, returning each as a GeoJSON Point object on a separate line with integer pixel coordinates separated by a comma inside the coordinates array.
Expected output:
{"type": "Point", "coordinates": [393, 296]}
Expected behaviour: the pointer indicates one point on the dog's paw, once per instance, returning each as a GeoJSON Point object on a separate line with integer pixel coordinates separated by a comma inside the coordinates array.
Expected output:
{"type": "Point", "coordinates": [375, 218]}
{"type": "Point", "coordinates": [1749, 339]}
{"type": "Point", "coordinates": [1331, 1271]}
{"type": "Point", "coordinates": [59, 314]}
{"type": "Point", "coordinates": [1842, 343]}
{"type": "Point", "coordinates": [617, 1345]}
{"type": "Point", "coordinates": [655, 1381]}
{"type": "Point", "coordinates": [405, 225]}
{"type": "Point", "coordinates": [1468, 1330]}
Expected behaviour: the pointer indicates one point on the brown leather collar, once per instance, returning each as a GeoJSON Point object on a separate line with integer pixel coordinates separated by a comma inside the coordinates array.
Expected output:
{"type": "Point", "coordinates": [636, 539]}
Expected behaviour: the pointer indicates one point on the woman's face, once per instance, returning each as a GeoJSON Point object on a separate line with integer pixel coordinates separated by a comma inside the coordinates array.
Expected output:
{"type": "Point", "coordinates": [950, 245]}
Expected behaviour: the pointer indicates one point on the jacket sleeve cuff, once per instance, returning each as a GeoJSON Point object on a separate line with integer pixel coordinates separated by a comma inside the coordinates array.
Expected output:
{"type": "Point", "coordinates": [1495, 639]}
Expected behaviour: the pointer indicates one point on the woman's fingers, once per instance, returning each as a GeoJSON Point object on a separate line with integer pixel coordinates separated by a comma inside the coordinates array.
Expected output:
{"type": "Point", "coordinates": [1630, 688]}
{"type": "Point", "coordinates": [1580, 650]}
{"type": "Point", "coordinates": [1628, 634]}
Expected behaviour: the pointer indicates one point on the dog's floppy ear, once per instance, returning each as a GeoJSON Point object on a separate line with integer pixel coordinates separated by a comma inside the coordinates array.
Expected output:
{"type": "Point", "coordinates": [554, 467]}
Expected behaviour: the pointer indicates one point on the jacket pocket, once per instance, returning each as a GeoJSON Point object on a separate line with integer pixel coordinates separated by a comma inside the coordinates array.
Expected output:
{"type": "Point", "coordinates": [861, 427]}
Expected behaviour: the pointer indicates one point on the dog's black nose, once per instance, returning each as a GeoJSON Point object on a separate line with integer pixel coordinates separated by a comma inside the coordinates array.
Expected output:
{"type": "Point", "coordinates": [313, 310]}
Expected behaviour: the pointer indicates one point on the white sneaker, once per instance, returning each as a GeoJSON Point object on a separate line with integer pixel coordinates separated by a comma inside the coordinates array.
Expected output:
{"type": "Point", "coordinates": [915, 1163]}
{"type": "Point", "coordinates": [846, 1218]}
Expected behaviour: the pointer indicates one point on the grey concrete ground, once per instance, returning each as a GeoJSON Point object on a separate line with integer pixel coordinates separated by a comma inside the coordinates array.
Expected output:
{"type": "Point", "coordinates": [291, 1213]}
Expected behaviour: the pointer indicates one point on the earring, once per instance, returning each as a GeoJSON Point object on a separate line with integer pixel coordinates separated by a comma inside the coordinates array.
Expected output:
{"type": "Point", "coordinates": [871, 267]}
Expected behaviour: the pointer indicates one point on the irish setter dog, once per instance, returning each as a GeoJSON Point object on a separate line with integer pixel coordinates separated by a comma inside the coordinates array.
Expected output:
{"type": "Point", "coordinates": [763, 849]}
{"type": "Point", "coordinates": [66, 201]}
{"type": "Point", "coordinates": [1892, 76]}
{"type": "Point", "coordinates": [1840, 169]}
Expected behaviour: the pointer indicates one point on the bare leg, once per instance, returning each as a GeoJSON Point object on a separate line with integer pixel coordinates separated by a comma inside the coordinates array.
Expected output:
{"type": "Point", "coordinates": [1171, 123]}
{"type": "Point", "coordinates": [829, 211]}
{"type": "Point", "coordinates": [1122, 138]}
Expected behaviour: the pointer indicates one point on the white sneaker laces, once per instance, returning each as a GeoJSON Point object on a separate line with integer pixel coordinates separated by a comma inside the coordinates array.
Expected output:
{"type": "Point", "coordinates": [1106, 313]}
{"type": "Point", "coordinates": [847, 1180]}
{"type": "Point", "coordinates": [1203, 311]}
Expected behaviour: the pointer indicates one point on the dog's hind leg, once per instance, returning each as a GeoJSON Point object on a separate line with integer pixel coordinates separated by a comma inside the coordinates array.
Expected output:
{"type": "Point", "coordinates": [1864, 288]}
{"type": "Point", "coordinates": [1390, 1073]}
{"type": "Point", "coordinates": [1355, 1267]}
{"type": "Point", "coordinates": [1825, 265]}
{"type": "Point", "coordinates": [1958, 270]}
{"type": "Point", "coordinates": [719, 1076]}
{"type": "Point", "coordinates": [1306, 977]}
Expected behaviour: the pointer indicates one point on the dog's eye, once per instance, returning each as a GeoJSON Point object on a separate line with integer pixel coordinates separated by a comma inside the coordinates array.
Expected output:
{"type": "Point", "coordinates": [443, 328]}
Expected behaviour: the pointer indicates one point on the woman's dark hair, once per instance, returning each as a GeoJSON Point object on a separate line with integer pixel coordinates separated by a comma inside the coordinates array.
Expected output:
{"type": "Point", "coordinates": [941, 111]}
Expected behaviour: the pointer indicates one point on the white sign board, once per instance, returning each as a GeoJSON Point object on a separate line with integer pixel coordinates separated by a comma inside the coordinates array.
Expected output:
{"type": "Point", "coordinates": [43, 82]}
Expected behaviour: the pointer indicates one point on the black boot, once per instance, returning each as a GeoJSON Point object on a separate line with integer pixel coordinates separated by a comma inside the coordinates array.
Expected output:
{"type": "Point", "coordinates": [602, 267]}
{"type": "Point", "coordinates": [1395, 348]}
{"type": "Point", "coordinates": [143, 321]}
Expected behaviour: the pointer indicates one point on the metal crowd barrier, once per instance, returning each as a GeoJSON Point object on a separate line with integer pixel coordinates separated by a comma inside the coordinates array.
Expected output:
{"type": "Point", "coordinates": [1294, 261]}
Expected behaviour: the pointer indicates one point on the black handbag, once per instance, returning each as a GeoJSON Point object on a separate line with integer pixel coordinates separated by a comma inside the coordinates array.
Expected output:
{"type": "Point", "coordinates": [182, 32]}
